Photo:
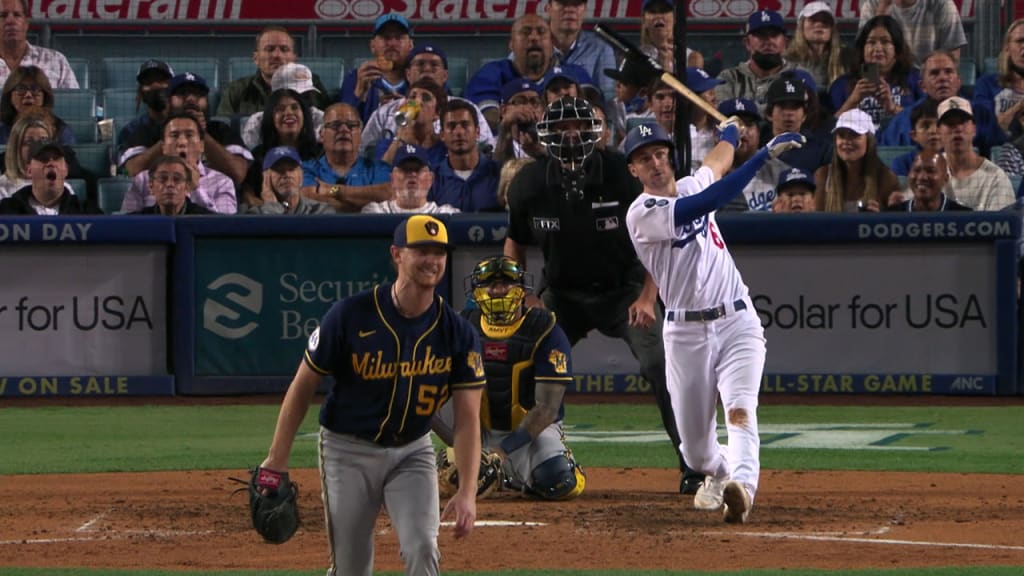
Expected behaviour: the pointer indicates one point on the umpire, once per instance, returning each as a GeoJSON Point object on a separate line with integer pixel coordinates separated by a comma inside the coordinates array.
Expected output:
{"type": "Point", "coordinates": [573, 204]}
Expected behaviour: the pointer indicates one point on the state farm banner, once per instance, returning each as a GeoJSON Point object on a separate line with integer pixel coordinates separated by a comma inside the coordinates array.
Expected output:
{"type": "Point", "coordinates": [430, 11]}
{"type": "Point", "coordinates": [68, 310]}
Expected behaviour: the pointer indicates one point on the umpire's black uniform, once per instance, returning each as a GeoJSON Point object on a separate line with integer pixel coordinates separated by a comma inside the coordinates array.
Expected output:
{"type": "Point", "coordinates": [591, 272]}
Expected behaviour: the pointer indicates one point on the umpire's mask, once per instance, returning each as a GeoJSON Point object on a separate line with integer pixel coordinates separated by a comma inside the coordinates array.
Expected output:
{"type": "Point", "coordinates": [570, 132]}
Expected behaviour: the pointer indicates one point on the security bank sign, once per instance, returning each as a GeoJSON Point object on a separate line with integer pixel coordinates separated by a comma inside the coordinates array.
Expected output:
{"type": "Point", "coordinates": [259, 300]}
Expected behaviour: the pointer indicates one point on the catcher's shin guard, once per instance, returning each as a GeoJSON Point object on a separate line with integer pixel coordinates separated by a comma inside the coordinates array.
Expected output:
{"type": "Point", "coordinates": [558, 478]}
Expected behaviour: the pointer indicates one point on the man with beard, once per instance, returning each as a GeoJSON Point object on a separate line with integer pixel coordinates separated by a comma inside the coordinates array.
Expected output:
{"type": "Point", "coordinates": [170, 181]}
{"type": "Point", "coordinates": [343, 177]}
{"type": "Point", "coordinates": [183, 137]}
{"type": "Point", "coordinates": [411, 179]}
{"type": "Point", "coordinates": [765, 41]}
{"type": "Point", "coordinates": [46, 196]}
{"type": "Point", "coordinates": [532, 57]}
{"type": "Point", "coordinates": [795, 192]}
{"type": "Point", "coordinates": [282, 184]}
{"type": "Point", "coordinates": [152, 79]}
{"type": "Point", "coordinates": [188, 93]}
{"type": "Point", "coordinates": [940, 79]}
{"type": "Point", "coordinates": [928, 176]}
{"type": "Point", "coordinates": [380, 79]}
{"type": "Point", "coordinates": [467, 179]}
{"type": "Point", "coordinates": [275, 47]}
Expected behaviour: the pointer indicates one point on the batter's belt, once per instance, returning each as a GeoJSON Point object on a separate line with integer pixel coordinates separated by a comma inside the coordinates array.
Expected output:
{"type": "Point", "coordinates": [706, 315]}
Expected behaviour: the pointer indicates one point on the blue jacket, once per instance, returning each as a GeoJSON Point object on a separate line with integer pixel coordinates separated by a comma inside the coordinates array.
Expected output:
{"type": "Point", "coordinates": [477, 194]}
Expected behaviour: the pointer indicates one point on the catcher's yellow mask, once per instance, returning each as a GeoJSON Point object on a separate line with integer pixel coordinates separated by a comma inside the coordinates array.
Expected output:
{"type": "Point", "coordinates": [498, 285]}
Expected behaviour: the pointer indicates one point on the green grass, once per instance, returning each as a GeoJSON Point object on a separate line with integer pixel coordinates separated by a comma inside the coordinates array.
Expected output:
{"type": "Point", "coordinates": [146, 438]}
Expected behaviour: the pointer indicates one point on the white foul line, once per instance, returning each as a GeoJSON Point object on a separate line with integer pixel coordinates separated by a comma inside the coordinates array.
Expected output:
{"type": "Point", "coordinates": [796, 536]}
{"type": "Point", "coordinates": [87, 527]}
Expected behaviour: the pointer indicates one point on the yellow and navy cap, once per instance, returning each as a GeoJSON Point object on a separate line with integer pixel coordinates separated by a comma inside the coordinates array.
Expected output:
{"type": "Point", "coordinates": [422, 230]}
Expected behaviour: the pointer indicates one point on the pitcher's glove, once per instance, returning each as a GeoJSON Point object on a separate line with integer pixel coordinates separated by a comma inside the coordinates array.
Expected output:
{"type": "Point", "coordinates": [272, 504]}
{"type": "Point", "coordinates": [488, 480]}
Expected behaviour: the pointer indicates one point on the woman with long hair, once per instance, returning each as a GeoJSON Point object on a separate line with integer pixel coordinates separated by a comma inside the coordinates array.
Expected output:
{"type": "Point", "coordinates": [27, 89]}
{"type": "Point", "coordinates": [856, 180]}
{"type": "Point", "coordinates": [816, 45]}
{"type": "Point", "coordinates": [884, 81]}
{"type": "Point", "coordinates": [1003, 91]}
{"type": "Point", "coordinates": [287, 121]}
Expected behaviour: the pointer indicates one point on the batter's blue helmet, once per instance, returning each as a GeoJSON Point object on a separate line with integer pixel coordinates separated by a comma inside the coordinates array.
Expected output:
{"type": "Point", "coordinates": [645, 134]}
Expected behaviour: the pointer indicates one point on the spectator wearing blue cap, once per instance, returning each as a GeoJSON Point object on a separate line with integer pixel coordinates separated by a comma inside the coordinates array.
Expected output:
{"type": "Point", "coordinates": [465, 179]}
{"type": "Point", "coordinates": [522, 106]}
{"type": "Point", "coordinates": [275, 47]}
{"type": "Point", "coordinates": [532, 56]}
{"type": "Point", "coordinates": [426, 62]}
{"type": "Point", "coordinates": [411, 180]}
{"type": "Point", "coordinates": [792, 103]}
{"type": "Point", "coordinates": [559, 82]}
{"type": "Point", "coordinates": [380, 79]}
{"type": "Point", "coordinates": [795, 192]}
{"type": "Point", "coordinates": [282, 185]}
{"type": "Point", "coordinates": [225, 152]}
{"type": "Point", "coordinates": [703, 135]}
{"type": "Point", "coordinates": [759, 192]}
{"type": "Point", "coordinates": [574, 45]}
{"type": "Point", "coordinates": [765, 41]}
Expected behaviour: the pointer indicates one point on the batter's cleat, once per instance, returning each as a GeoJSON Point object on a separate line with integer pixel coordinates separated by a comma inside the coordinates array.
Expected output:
{"type": "Point", "coordinates": [737, 502]}
{"type": "Point", "coordinates": [689, 484]}
{"type": "Point", "coordinates": [709, 495]}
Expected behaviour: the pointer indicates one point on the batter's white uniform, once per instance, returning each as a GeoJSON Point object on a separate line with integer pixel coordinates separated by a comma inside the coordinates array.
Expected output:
{"type": "Point", "coordinates": [705, 357]}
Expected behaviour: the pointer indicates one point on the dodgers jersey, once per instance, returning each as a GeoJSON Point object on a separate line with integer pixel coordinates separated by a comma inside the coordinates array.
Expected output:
{"type": "Point", "coordinates": [690, 264]}
{"type": "Point", "coordinates": [391, 373]}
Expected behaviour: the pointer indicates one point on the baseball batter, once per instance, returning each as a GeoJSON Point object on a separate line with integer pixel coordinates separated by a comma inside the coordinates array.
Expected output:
{"type": "Point", "coordinates": [714, 343]}
{"type": "Point", "coordinates": [396, 352]}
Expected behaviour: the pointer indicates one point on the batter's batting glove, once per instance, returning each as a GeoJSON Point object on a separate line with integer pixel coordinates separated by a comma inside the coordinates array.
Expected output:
{"type": "Point", "coordinates": [729, 130]}
{"type": "Point", "coordinates": [784, 143]}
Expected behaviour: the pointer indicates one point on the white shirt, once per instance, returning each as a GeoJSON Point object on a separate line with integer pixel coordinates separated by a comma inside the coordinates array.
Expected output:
{"type": "Point", "coordinates": [381, 125]}
{"type": "Point", "coordinates": [690, 264]}
{"type": "Point", "coordinates": [51, 62]}
{"type": "Point", "coordinates": [390, 207]}
{"type": "Point", "coordinates": [987, 188]}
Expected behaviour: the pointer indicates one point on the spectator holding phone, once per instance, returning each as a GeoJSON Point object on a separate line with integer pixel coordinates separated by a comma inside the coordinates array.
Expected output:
{"type": "Point", "coordinates": [884, 80]}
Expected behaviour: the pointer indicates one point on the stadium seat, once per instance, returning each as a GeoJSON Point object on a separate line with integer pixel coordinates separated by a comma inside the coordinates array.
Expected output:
{"type": "Point", "coordinates": [458, 74]}
{"type": "Point", "coordinates": [1015, 183]}
{"type": "Point", "coordinates": [80, 66]}
{"type": "Point", "coordinates": [995, 153]}
{"type": "Point", "coordinates": [111, 193]}
{"type": "Point", "coordinates": [94, 158]}
{"type": "Point", "coordinates": [888, 153]}
{"type": "Point", "coordinates": [990, 65]}
{"type": "Point", "coordinates": [80, 188]}
{"type": "Point", "coordinates": [240, 67]}
{"type": "Point", "coordinates": [84, 129]}
{"type": "Point", "coordinates": [119, 102]}
{"type": "Point", "coordinates": [74, 104]}
{"type": "Point", "coordinates": [120, 72]}
{"type": "Point", "coordinates": [968, 72]}
{"type": "Point", "coordinates": [330, 70]}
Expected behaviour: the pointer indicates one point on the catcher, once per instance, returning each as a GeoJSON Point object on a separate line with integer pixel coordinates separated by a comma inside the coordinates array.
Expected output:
{"type": "Point", "coordinates": [527, 363]}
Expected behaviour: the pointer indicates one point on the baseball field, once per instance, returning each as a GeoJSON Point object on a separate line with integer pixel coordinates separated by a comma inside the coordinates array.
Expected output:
{"type": "Point", "coordinates": [848, 486]}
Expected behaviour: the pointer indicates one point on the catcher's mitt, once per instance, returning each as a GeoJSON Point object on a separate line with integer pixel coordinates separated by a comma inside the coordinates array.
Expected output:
{"type": "Point", "coordinates": [488, 480]}
{"type": "Point", "coordinates": [272, 503]}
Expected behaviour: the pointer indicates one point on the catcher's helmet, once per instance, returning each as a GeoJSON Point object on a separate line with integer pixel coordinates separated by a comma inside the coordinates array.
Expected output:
{"type": "Point", "coordinates": [570, 131]}
{"type": "Point", "coordinates": [498, 308]}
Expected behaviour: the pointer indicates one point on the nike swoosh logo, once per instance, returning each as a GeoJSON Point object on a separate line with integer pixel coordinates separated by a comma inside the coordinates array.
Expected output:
{"type": "Point", "coordinates": [367, 333]}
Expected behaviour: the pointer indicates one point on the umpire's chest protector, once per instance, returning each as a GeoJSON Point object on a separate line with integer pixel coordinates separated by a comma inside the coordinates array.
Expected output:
{"type": "Point", "coordinates": [508, 362]}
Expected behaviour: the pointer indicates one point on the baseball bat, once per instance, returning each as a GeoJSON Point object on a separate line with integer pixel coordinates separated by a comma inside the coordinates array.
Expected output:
{"type": "Point", "coordinates": [624, 45]}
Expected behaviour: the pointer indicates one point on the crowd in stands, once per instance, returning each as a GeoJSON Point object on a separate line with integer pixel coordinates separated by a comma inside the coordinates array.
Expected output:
{"type": "Point", "coordinates": [888, 121]}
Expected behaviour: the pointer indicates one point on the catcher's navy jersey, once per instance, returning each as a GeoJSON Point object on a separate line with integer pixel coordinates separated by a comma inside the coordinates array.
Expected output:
{"type": "Point", "coordinates": [391, 373]}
